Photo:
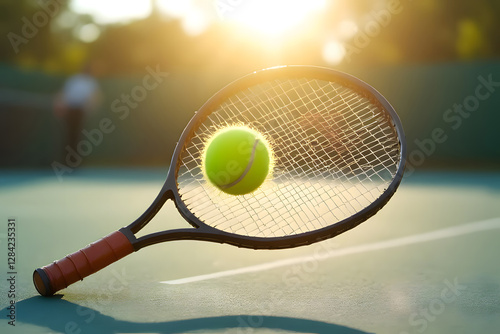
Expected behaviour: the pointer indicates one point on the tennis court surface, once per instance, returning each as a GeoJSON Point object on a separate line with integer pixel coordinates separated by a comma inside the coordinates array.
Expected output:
{"type": "Point", "coordinates": [426, 263]}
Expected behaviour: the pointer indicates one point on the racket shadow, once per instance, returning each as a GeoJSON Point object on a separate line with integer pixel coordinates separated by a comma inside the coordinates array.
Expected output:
{"type": "Point", "coordinates": [63, 316]}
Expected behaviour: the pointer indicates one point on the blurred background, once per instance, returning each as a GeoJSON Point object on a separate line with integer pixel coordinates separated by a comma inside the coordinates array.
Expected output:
{"type": "Point", "coordinates": [157, 61]}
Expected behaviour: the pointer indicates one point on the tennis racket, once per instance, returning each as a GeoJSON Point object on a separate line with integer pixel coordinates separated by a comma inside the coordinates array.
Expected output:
{"type": "Point", "coordinates": [339, 155]}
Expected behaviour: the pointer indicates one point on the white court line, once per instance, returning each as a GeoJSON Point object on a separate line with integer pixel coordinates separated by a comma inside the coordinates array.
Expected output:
{"type": "Point", "coordinates": [485, 225]}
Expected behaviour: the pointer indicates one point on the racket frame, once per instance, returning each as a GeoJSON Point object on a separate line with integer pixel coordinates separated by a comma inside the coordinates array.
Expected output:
{"type": "Point", "coordinates": [204, 232]}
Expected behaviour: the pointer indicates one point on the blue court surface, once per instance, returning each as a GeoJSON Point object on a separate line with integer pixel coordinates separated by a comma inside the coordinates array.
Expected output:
{"type": "Point", "coordinates": [426, 263]}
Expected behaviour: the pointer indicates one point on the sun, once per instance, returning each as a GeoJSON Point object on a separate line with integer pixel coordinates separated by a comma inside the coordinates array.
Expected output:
{"type": "Point", "coordinates": [273, 18]}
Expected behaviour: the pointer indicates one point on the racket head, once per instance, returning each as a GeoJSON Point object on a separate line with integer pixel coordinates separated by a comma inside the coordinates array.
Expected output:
{"type": "Point", "coordinates": [288, 101]}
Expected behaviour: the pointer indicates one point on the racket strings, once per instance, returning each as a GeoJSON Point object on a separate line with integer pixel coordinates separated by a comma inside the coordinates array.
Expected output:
{"type": "Point", "coordinates": [335, 152]}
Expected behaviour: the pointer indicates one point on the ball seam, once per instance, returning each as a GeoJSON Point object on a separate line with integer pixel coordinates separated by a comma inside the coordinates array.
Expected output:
{"type": "Point", "coordinates": [247, 169]}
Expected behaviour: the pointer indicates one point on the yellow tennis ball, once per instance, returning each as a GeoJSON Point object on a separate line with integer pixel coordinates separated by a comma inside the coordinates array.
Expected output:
{"type": "Point", "coordinates": [237, 160]}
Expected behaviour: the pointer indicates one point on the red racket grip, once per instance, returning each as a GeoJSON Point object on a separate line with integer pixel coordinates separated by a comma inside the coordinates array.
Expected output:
{"type": "Point", "coordinates": [74, 267]}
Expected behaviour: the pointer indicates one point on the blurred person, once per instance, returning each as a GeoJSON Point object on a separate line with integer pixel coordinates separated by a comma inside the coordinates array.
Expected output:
{"type": "Point", "coordinates": [79, 97]}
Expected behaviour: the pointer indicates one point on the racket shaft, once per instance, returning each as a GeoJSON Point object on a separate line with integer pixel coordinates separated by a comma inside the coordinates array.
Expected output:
{"type": "Point", "coordinates": [74, 267]}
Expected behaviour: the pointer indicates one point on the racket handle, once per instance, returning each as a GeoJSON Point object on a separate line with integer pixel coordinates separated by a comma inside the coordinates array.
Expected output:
{"type": "Point", "coordinates": [74, 267]}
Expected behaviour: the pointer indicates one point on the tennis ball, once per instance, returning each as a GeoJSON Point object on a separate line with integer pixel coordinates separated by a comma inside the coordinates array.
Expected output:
{"type": "Point", "coordinates": [237, 160]}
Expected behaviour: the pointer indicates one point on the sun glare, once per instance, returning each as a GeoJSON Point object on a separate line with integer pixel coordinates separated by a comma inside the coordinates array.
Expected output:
{"type": "Point", "coordinates": [193, 17]}
{"type": "Point", "coordinates": [175, 8]}
{"type": "Point", "coordinates": [111, 11]}
{"type": "Point", "coordinates": [272, 18]}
